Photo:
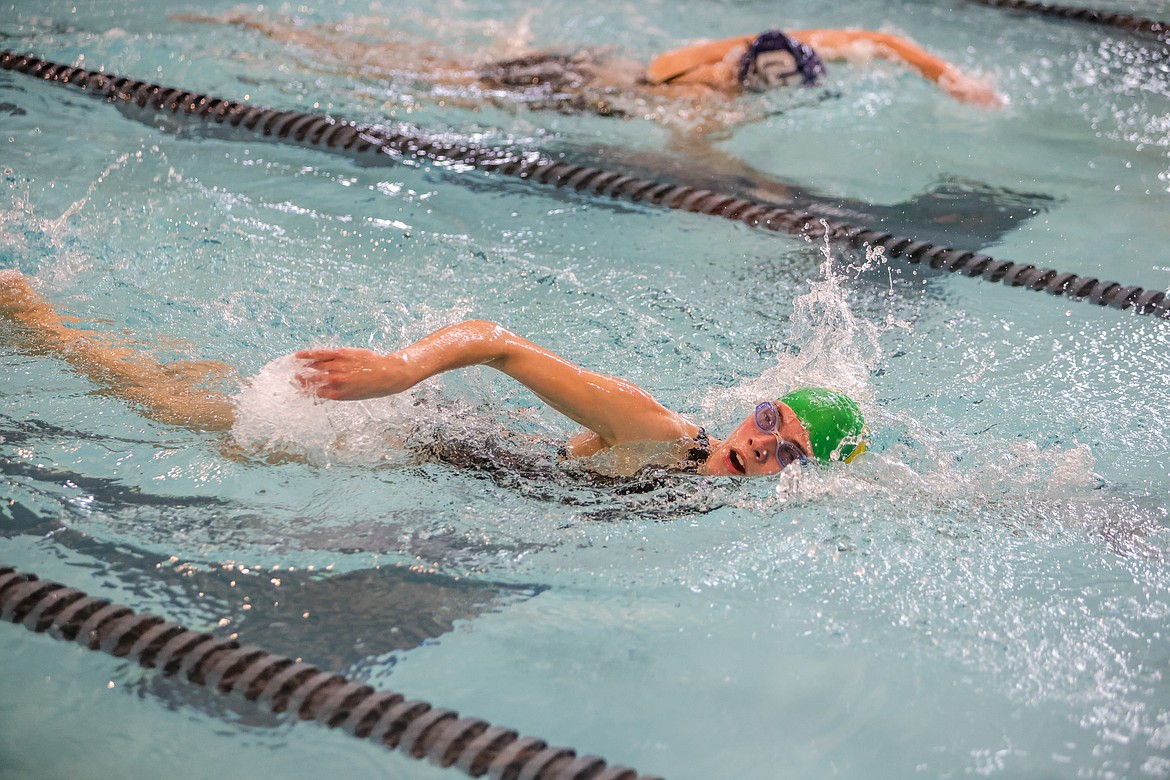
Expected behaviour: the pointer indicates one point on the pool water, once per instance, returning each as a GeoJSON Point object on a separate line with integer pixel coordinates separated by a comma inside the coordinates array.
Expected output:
{"type": "Point", "coordinates": [985, 592]}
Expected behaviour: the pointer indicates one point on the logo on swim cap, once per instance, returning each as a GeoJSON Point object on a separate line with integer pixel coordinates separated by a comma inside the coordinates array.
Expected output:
{"type": "Point", "coordinates": [833, 421]}
{"type": "Point", "coordinates": [774, 59]}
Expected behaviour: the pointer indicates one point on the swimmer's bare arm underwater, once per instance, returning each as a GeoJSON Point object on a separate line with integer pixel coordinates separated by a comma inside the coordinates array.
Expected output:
{"type": "Point", "coordinates": [174, 393]}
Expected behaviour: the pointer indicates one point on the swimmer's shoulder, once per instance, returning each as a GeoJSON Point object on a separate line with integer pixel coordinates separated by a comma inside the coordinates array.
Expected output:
{"type": "Point", "coordinates": [675, 63]}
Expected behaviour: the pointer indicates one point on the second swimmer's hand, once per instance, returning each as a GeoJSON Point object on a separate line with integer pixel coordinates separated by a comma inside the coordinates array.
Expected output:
{"type": "Point", "coordinates": [968, 89]}
{"type": "Point", "coordinates": [348, 374]}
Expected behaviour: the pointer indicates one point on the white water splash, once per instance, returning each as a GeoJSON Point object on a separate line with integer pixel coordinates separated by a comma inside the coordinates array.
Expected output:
{"type": "Point", "coordinates": [910, 463]}
{"type": "Point", "coordinates": [827, 345]}
{"type": "Point", "coordinates": [23, 232]}
{"type": "Point", "coordinates": [276, 416]}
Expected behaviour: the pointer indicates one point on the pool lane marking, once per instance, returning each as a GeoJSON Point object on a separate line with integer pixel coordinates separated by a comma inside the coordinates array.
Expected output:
{"type": "Point", "coordinates": [282, 684]}
{"type": "Point", "coordinates": [1091, 15]}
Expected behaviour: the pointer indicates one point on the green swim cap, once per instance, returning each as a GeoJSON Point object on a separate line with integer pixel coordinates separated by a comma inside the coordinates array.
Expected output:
{"type": "Point", "coordinates": [833, 421]}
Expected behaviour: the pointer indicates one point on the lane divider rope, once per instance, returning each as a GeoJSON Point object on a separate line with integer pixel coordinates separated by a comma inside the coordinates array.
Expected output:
{"type": "Point", "coordinates": [281, 684]}
{"type": "Point", "coordinates": [330, 134]}
{"type": "Point", "coordinates": [1091, 15]}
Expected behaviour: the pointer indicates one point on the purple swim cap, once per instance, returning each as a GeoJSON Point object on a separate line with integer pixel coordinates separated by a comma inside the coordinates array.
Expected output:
{"type": "Point", "coordinates": [774, 59]}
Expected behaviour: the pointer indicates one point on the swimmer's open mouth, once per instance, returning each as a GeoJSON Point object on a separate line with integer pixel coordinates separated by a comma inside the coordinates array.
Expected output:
{"type": "Point", "coordinates": [736, 462]}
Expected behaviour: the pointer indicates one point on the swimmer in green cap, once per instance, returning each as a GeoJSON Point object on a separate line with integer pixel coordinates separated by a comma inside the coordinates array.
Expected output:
{"type": "Point", "coordinates": [626, 429]}
{"type": "Point", "coordinates": [835, 425]}
{"type": "Point", "coordinates": [620, 418]}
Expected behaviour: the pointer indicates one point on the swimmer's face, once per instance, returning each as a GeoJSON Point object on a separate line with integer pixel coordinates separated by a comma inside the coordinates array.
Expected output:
{"type": "Point", "coordinates": [767, 441]}
{"type": "Point", "coordinates": [773, 69]}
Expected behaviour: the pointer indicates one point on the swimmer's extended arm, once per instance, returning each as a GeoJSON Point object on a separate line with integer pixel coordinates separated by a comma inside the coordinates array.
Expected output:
{"type": "Point", "coordinates": [616, 410]}
{"type": "Point", "coordinates": [863, 45]}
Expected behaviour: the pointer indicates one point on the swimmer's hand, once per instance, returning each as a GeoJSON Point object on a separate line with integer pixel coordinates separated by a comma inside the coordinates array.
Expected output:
{"type": "Point", "coordinates": [971, 90]}
{"type": "Point", "coordinates": [348, 374]}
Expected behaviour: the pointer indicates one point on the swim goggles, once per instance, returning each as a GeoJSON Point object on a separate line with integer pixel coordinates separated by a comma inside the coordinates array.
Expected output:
{"type": "Point", "coordinates": [774, 59]}
{"type": "Point", "coordinates": [767, 420]}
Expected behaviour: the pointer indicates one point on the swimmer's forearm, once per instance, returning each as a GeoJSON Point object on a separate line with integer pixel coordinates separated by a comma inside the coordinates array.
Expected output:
{"type": "Point", "coordinates": [859, 45]}
{"type": "Point", "coordinates": [345, 374]}
{"type": "Point", "coordinates": [470, 343]}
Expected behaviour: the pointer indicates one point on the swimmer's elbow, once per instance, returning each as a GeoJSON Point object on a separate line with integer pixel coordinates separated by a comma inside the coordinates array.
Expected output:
{"type": "Point", "coordinates": [502, 349]}
{"type": "Point", "coordinates": [474, 342]}
{"type": "Point", "coordinates": [492, 336]}
{"type": "Point", "coordinates": [484, 327]}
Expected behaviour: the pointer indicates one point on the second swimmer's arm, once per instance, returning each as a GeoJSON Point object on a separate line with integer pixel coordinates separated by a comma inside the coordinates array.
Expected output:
{"type": "Point", "coordinates": [858, 45]}
{"type": "Point", "coordinates": [616, 410]}
{"type": "Point", "coordinates": [699, 63]}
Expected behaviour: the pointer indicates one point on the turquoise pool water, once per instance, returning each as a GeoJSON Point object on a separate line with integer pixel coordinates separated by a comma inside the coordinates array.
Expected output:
{"type": "Point", "coordinates": [984, 593]}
